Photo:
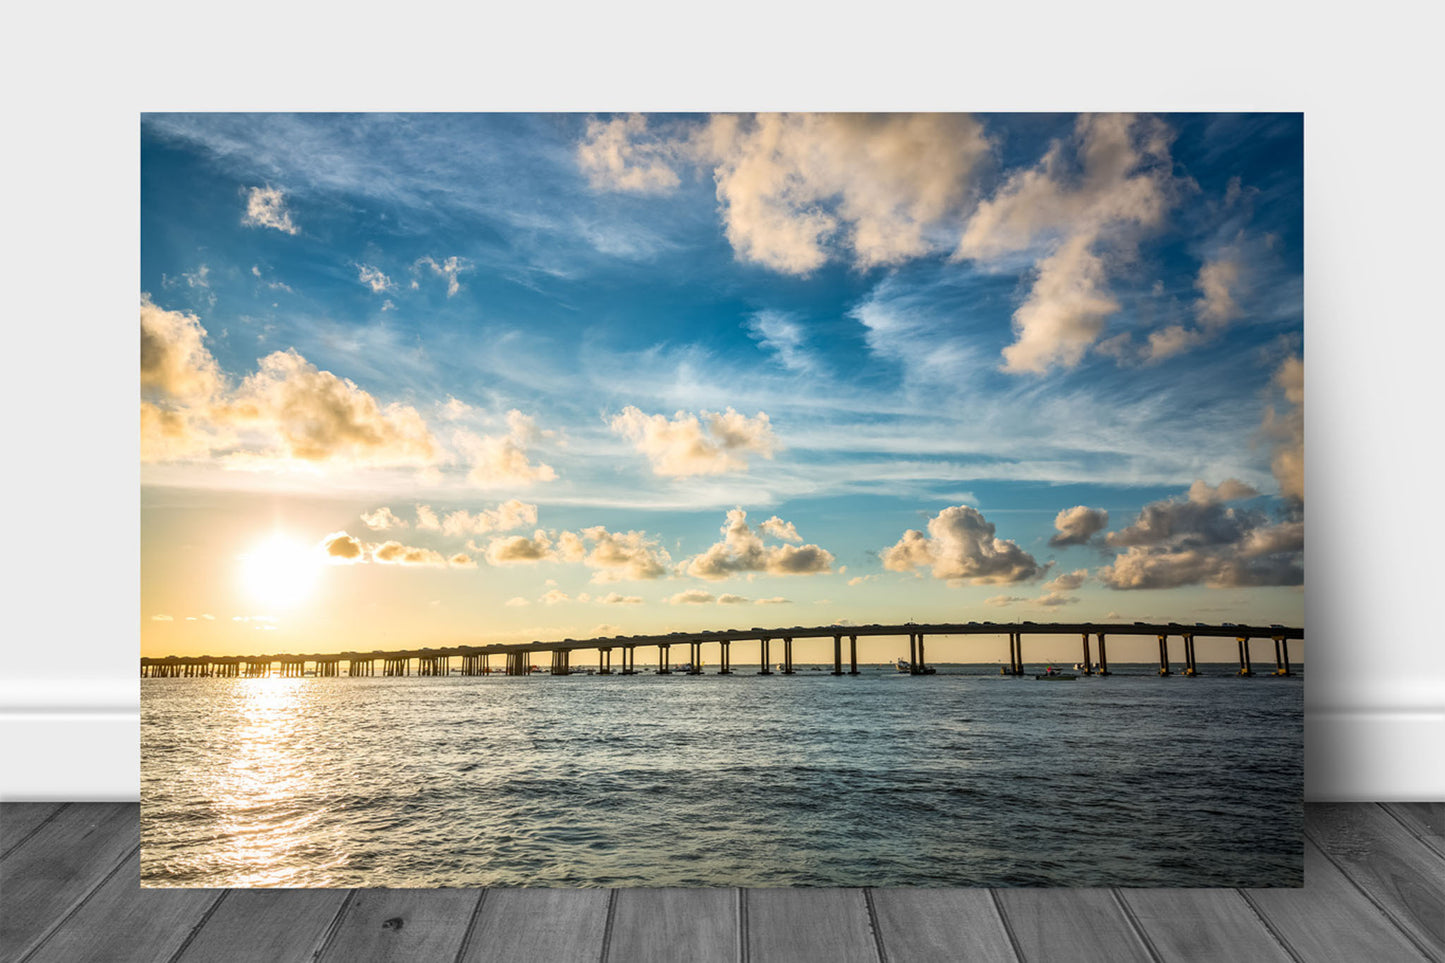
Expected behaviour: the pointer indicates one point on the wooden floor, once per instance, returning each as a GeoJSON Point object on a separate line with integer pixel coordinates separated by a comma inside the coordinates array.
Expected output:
{"type": "Point", "coordinates": [1374, 891]}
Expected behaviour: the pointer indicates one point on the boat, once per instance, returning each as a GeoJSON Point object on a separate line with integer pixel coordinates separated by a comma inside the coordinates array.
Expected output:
{"type": "Point", "coordinates": [1053, 673]}
{"type": "Point", "coordinates": [903, 666]}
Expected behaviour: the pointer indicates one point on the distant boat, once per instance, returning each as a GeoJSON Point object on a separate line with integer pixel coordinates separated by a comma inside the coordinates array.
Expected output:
{"type": "Point", "coordinates": [903, 666]}
{"type": "Point", "coordinates": [1053, 673]}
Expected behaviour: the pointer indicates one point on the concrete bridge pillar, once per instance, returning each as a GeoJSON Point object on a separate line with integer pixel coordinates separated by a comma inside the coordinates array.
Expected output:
{"type": "Point", "coordinates": [662, 659]}
{"type": "Point", "coordinates": [725, 658]}
{"type": "Point", "coordinates": [787, 656]}
{"type": "Point", "coordinates": [837, 655]}
{"type": "Point", "coordinates": [1088, 664]}
{"type": "Point", "coordinates": [1281, 656]}
{"type": "Point", "coordinates": [1190, 669]}
{"type": "Point", "coordinates": [767, 666]}
{"type": "Point", "coordinates": [1103, 656]}
{"type": "Point", "coordinates": [1244, 665]}
{"type": "Point", "coordinates": [852, 655]}
{"type": "Point", "coordinates": [1164, 655]}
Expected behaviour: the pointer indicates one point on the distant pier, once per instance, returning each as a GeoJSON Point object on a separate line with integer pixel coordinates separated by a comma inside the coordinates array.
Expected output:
{"type": "Point", "coordinates": [516, 658]}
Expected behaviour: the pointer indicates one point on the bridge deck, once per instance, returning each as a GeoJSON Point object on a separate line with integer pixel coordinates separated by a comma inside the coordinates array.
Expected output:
{"type": "Point", "coordinates": [1198, 630]}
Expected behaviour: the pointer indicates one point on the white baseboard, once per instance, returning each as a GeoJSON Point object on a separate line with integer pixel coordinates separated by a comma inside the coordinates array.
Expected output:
{"type": "Point", "coordinates": [90, 751]}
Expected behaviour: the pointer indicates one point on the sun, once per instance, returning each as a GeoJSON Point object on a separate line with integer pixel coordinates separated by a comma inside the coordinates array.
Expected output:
{"type": "Point", "coordinates": [280, 571]}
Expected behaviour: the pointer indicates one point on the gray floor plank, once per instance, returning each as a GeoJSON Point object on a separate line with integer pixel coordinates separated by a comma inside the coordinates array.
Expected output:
{"type": "Point", "coordinates": [21, 819]}
{"type": "Point", "coordinates": [665, 925]}
{"type": "Point", "coordinates": [1425, 820]}
{"type": "Point", "coordinates": [942, 925]}
{"type": "Point", "coordinates": [556, 925]}
{"type": "Point", "coordinates": [1079, 925]}
{"type": "Point", "coordinates": [1380, 857]}
{"type": "Point", "coordinates": [266, 926]}
{"type": "Point", "coordinates": [807, 925]}
{"type": "Point", "coordinates": [1329, 920]}
{"type": "Point", "coordinates": [402, 925]}
{"type": "Point", "coordinates": [53, 870]}
{"type": "Point", "coordinates": [1202, 926]}
{"type": "Point", "coordinates": [122, 923]}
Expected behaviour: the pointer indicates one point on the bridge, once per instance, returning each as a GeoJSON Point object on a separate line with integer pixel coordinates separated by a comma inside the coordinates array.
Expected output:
{"type": "Point", "coordinates": [475, 660]}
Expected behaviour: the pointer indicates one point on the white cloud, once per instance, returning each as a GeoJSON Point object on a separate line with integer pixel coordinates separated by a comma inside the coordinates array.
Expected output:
{"type": "Point", "coordinates": [1198, 538]}
{"type": "Point", "coordinates": [960, 547]}
{"type": "Point", "coordinates": [614, 556]}
{"type": "Point", "coordinates": [395, 553]}
{"type": "Point", "coordinates": [1077, 525]}
{"type": "Point", "coordinates": [684, 446]}
{"type": "Point", "coordinates": [796, 190]}
{"type": "Point", "coordinates": [175, 364]}
{"type": "Point", "coordinates": [618, 155]}
{"type": "Point", "coordinates": [692, 597]}
{"type": "Point", "coordinates": [381, 519]}
{"type": "Point", "coordinates": [775, 600]}
{"type": "Point", "coordinates": [1002, 600]}
{"type": "Point", "coordinates": [783, 336]}
{"type": "Point", "coordinates": [780, 529]}
{"type": "Point", "coordinates": [728, 598]}
{"type": "Point", "coordinates": [1218, 284]}
{"type": "Point", "coordinates": [616, 598]}
{"type": "Point", "coordinates": [374, 278]}
{"type": "Point", "coordinates": [1088, 199]}
{"type": "Point", "coordinates": [461, 560]}
{"type": "Point", "coordinates": [1067, 582]}
{"type": "Point", "coordinates": [502, 459]}
{"type": "Point", "coordinates": [555, 596]}
{"type": "Point", "coordinates": [517, 602]}
{"type": "Point", "coordinates": [266, 207]}
{"type": "Point", "coordinates": [510, 514]}
{"type": "Point", "coordinates": [743, 550]}
{"type": "Point", "coordinates": [343, 548]}
{"type": "Point", "coordinates": [1288, 430]}
{"type": "Point", "coordinates": [449, 269]}
{"type": "Point", "coordinates": [163, 618]}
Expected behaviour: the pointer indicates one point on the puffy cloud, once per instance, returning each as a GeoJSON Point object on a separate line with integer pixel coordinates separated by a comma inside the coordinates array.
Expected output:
{"type": "Point", "coordinates": [374, 278]}
{"type": "Point", "coordinates": [780, 529]}
{"type": "Point", "coordinates": [1229, 490]}
{"type": "Point", "coordinates": [1065, 311]}
{"type": "Point", "coordinates": [1087, 199]}
{"type": "Point", "coordinates": [381, 519]}
{"type": "Point", "coordinates": [395, 553]}
{"type": "Point", "coordinates": [1077, 525]}
{"type": "Point", "coordinates": [168, 434]}
{"type": "Point", "coordinates": [510, 514]}
{"type": "Point", "coordinates": [686, 445]}
{"type": "Point", "coordinates": [318, 417]}
{"type": "Point", "coordinates": [342, 547]}
{"type": "Point", "coordinates": [1067, 582]}
{"type": "Point", "coordinates": [615, 556]}
{"type": "Point", "coordinates": [860, 579]}
{"type": "Point", "coordinates": [692, 597]}
{"type": "Point", "coordinates": [775, 600]}
{"type": "Point", "coordinates": [620, 556]}
{"type": "Point", "coordinates": [1218, 283]}
{"type": "Point", "coordinates": [617, 155]}
{"type": "Point", "coordinates": [175, 364]}
{"type": "Point", "coordinates": [426, 519]}
{"type": "Point", "coordinates": [1198, 538]}
{"type": "Point", "coordinates": [1054, 599]}
{"type": "Point", "coordinates": [554, 596]}
{"type": "Point", "coordinates": [502, 459]}
{"type": "Point", "coordinates": [1002, 600]}
{"type": "Point", "coordinates": [1288, 431]}
{"type": "Point", "coordinates": [743, 550]}
{"type": "Point", "coordinates": [517, 602]}
{"type": "Point", "coordinates": [616, 598]}
{"type": "Point", "coordinates": [728, 598]}
{"type": "Point", "coordinates": [961, 547]}
{"type": "Point", "coordinates": [448, 269]}
{"type": "Point", "coordinates": [795, 190]}
{"type": "Point", "coordinates": [461, 560]}
{"type": "Point", "coordinates": [510, 549]}
{"type": "Point", "coordinates": [266, 207]}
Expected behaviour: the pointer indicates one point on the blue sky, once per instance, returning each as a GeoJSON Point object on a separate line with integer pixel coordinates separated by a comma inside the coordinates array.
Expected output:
{"type": "Point", "coordinates": [587, 344]}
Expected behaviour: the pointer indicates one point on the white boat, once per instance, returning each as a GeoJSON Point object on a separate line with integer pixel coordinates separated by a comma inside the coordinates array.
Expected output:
{"type": "Point", "coordinates": [903, 666]}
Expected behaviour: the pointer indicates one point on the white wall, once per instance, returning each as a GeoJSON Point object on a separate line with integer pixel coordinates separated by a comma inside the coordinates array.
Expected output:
{"type": "Point", "coordinates": [1376, 691]}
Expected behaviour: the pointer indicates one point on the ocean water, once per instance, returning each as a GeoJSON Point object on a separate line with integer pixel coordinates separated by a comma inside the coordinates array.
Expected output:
{"type": "Point", "coordinates": [964, 778]}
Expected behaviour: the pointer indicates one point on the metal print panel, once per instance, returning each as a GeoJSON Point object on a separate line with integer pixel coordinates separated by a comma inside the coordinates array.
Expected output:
{"type": "Point", "coordinates": [721, 500]}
